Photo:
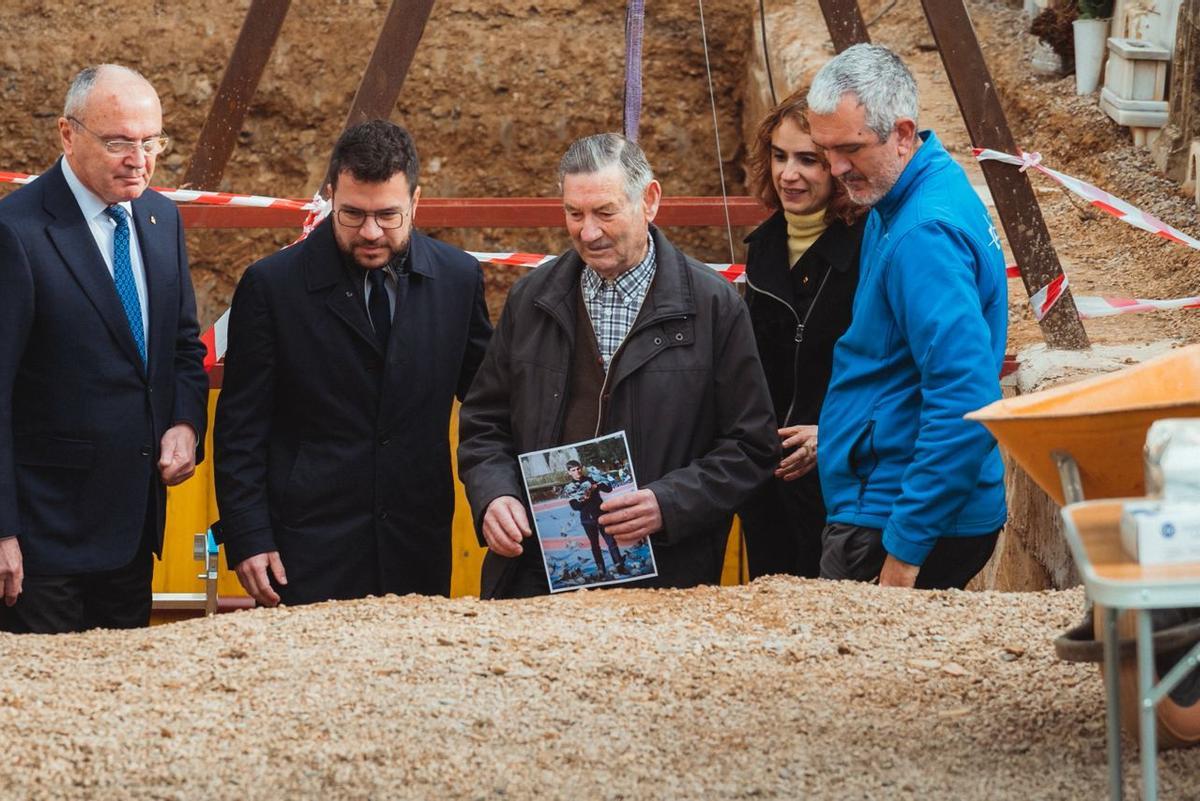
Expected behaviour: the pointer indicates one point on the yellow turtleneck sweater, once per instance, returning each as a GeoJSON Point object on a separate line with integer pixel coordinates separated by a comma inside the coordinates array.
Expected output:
{"type": "Point", "coordinates": [803, 230]}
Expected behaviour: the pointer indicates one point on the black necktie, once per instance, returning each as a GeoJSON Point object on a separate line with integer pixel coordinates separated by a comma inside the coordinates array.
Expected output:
{"type": "Point", "coordinates": [377, 306]}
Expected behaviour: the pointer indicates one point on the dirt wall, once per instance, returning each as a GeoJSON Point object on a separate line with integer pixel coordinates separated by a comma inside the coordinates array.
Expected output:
{"type": "Point", "coordinates": [496, 92]}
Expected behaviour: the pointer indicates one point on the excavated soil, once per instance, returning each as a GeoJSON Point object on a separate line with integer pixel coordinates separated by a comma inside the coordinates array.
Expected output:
{"type": "Point", "coordinates": [781, 689]}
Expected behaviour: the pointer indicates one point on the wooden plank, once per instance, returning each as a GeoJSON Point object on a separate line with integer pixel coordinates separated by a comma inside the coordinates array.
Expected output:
{"type": "Point", "coordinates": [1016, 204]}
{"type": "Point", "coordinates": [845, 23]}
{"type": "Point", "coordinates": [516, 212]}
{"type": "Point", "coordinates": [250, 55]}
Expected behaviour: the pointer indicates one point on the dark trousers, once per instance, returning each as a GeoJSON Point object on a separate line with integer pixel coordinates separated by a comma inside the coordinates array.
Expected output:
{"type": "Point", "coordinates": [782, 525]}
{"type": "Point", "coordinates": [594, 532]}
{"type": "Point", "coordinates": [856, 553]}
{"type": "Point", "coordinates": [112, 599]}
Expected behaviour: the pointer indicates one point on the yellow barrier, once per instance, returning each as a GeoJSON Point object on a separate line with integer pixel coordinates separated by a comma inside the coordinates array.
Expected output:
{"type": "Point", "coordinates": [192, 507]}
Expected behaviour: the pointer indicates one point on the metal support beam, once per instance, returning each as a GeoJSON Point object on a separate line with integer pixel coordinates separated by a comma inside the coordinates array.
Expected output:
{"type": "Point", "coordinates": [250, 55]}
{"type": "Point", "coordinates": [394, 50]}
{"type": "Point", "coordinates": [1015, 201]}
{"type": "Point", "coordinates": [845, 23]}
{"type": "Point", "coordinates": [388, 67]}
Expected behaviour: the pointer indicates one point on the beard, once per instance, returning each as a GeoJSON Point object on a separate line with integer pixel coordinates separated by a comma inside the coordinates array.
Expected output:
{"type": "Point", "coordinates": [872, 190]}
{"type": "Point", "coordinates": [373, 253]}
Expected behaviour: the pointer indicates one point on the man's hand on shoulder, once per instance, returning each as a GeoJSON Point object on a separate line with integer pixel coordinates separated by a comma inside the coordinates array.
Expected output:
{"type": "Point", "coordinates": [632, 516]}
{"type": "Point", "coordinates": [12, 569]}
{"type": "Point", "coordinates": [252, 573]}
{"type": "Point", "coordinates": [505, 525]}
{"type": "Point", "coordinates": [898, 574]}
{"type": "Point", "coordinates": [177, 454]}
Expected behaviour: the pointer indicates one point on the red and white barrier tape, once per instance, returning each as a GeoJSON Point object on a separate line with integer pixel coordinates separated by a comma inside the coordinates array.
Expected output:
{"type": "Point", "coordinates": [1097, 197]}
{"type": "Point", "coordinates": [1044, 299]}
{"type": "Point", "coordinates": [1092, 306]}
{"type": "Point", "coordinates": [216, 338]}
{"type": "Point", "coordinates": [204, 198]}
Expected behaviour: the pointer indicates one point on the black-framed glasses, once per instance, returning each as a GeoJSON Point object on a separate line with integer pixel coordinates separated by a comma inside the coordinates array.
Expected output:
{"type": "Point", "coordinates": [151, 145]}
{"type": "Point", "coordinates": [387, 219]}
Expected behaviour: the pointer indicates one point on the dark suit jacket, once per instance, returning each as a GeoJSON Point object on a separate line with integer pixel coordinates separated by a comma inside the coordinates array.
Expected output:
{"type": "Point", "coordinates": [80, 418]}
{"type": "Point", "coordinates": [326, 452]}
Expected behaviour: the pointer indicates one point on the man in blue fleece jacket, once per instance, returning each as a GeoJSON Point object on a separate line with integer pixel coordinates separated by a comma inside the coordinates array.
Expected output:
{"type": "Point", "coordinates": [915, 493]}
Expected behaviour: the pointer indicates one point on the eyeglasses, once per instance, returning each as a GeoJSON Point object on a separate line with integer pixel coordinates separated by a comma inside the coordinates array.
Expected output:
{"type": "Point", "coordinates": [151, 145]}
{"type": "Point", "coordinates": [387, 219]}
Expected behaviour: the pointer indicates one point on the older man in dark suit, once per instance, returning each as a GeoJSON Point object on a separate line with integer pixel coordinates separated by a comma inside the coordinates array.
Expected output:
{"type": "Point", "coordinates": [102, 385]}
{"type": "Point", "coordinates": [345, 355]}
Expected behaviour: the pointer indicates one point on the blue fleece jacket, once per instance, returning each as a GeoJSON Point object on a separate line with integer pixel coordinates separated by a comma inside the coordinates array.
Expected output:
{"type": "Point", "coordinates": [924, 347]}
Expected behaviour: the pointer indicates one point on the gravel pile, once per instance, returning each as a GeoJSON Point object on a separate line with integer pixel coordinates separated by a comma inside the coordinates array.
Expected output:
{"type": "Point", "coordinates": [780, 689]}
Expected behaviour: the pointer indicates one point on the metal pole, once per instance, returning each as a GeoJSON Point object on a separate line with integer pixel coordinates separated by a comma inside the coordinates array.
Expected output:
{"type": "Point", "coordinates": [394, 50]}
{"type": "Point", "coordinates": [1112, 698]}
{"type": "Point", "coordinates": [1148, 720]}
{"type": "Point", "coordinates": [845, 23]}
{"type": "Point", "coordinates": [250, 54]}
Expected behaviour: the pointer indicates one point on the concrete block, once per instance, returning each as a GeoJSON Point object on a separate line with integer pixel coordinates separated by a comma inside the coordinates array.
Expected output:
{"type": "Point", "coordinates": [1134, 113]}
{"type": "Point", "coordinates": [1136, 70]}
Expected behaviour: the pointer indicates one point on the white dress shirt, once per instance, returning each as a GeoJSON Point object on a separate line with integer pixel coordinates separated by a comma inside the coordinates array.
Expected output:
{"type": "Point", "coordinates": [104, 230]}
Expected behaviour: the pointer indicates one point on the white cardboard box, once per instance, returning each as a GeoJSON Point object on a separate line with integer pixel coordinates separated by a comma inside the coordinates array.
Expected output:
{"type": "Point", "coordinates": [1160, 532]}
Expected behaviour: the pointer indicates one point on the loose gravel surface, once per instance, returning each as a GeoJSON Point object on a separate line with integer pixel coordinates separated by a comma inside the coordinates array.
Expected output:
{"type": "Point", "coordinates": [780, 689]}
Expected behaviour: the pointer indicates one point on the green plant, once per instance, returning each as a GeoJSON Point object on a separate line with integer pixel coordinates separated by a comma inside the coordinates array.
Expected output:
{"type": "Point", "coordinates": [1095, 9]}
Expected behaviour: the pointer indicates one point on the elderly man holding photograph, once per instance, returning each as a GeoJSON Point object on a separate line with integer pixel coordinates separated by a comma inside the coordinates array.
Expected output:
{"type": "Point", "coordinates": [624, 332]}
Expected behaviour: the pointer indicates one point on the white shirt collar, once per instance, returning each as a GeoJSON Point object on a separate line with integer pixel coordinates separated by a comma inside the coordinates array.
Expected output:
{"type": "Point", "coordinates": [89, 203]}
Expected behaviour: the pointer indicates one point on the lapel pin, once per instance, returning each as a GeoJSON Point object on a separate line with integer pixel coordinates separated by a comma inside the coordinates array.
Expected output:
{"type": "Point", "coordinates": [152, 220]}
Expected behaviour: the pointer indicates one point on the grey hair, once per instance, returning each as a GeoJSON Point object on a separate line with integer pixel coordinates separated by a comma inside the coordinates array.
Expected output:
{"type": "Point", "coordinates": [598, 152]}
{"type": "Point", "coordinates": [876, 77]}
{"type": "Point", "coordinates": [83, 82]}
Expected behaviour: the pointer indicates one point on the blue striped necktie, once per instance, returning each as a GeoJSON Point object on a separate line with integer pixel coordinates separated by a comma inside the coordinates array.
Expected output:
{"type": "Point", "coordinates": [123, 278]}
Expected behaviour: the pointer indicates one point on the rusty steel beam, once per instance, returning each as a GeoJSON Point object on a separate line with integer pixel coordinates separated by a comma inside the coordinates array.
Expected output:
{"type": "Point", "coordinates": [394, 50]}
{"type": "Point", "coordinates": [845, 23]}
{"type": "Point", "coordinates": [385, 73]}
{"type": "Point", "coordinates": [1016, 204]}
{"type": "Point", "coordinates": [250, 55]}
{"type": "Point", "coordinates": [516, 212]}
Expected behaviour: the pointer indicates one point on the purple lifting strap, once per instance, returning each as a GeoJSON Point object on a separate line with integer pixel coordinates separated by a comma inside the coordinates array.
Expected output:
{"type": "Point", "coordinates": [635, 18]}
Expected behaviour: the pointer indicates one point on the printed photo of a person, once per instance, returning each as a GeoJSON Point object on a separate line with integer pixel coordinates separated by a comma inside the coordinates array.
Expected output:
{"type": "Point", "coordinates": [567, 487]}
{"type": "Point", "coordinates": [583, 493]}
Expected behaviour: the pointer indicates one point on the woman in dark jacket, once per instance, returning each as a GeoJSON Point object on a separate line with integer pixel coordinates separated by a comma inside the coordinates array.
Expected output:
{"type": "Point", "coordinates": [801, 271]}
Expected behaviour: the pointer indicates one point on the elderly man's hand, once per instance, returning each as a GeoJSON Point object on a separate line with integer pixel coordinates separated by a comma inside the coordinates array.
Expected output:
{"type": "Point", "coordinates": [177, 454]}
{"type": "Point", "coordinates": [252, 573]}
{"type": "Point", "coordinates": [505, 524]}
{"type": "Point", "coordinates": [12, 570]}
{"type": "Point", "coordinates": [898, 574]}
{"type": "Point", "coordinates": [632, 516]}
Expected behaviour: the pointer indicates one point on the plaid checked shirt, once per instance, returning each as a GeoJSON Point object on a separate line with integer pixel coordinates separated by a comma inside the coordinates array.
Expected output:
{"type": "Point", "coordinates": [613, 305]}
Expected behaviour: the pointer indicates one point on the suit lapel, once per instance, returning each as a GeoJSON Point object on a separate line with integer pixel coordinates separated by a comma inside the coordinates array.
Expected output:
{"type": "Point", "coordinates": [77, 247]}
{"type": "Point", "coordinates": [156, 256]}
{"type": "Point", "coordinates": [324, 273]}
